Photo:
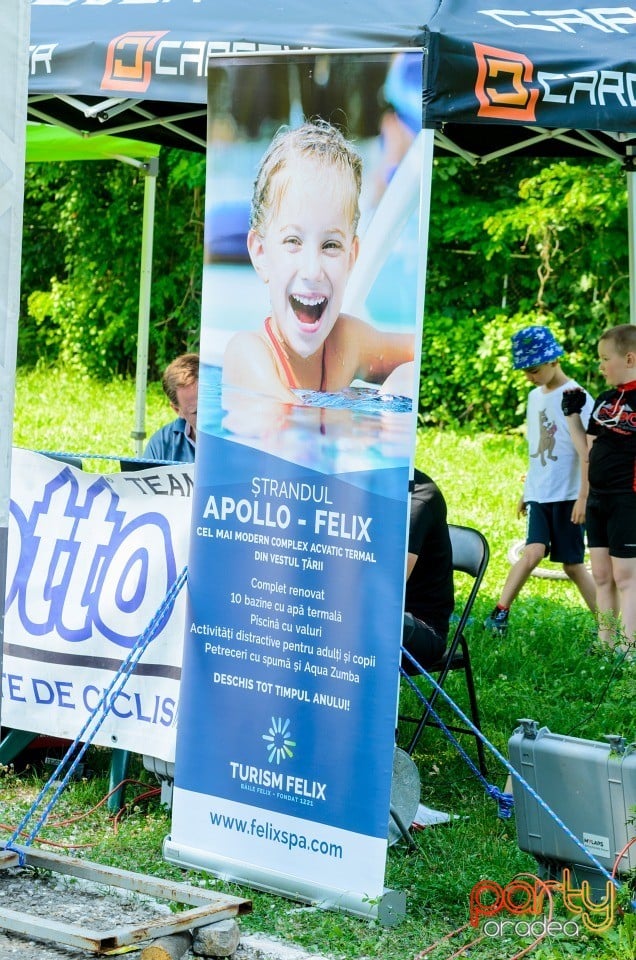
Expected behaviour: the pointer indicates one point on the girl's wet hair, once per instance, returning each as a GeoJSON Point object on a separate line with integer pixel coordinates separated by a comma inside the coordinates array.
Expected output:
{"type": "Point", "coordinates": [314, 140]}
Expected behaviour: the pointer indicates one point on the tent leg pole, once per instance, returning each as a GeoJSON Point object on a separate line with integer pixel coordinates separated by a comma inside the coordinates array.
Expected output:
{"type": "Point", "coordinates": [143, 326]}
{"type": "Point", "coordinates": [631, 230]}
{"type": "Point", "coordinates": [426, 181]}
{"type": "Point", "coordinates": [13, 110]}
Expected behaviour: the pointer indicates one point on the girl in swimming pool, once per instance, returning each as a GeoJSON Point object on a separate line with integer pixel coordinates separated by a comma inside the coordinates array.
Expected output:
{"type": "Point", "coordinates": [303, 244]}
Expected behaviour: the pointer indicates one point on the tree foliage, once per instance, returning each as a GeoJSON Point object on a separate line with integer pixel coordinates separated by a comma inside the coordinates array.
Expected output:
{"type": "Point", "coordinates": [80, 297]}
{"type": "Point", "coordinates": [513, 242]}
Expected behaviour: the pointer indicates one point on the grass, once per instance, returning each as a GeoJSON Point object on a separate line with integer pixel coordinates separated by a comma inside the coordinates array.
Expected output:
{"type": "Point", "coordinates": [542, 670]}
{"type": "Point", "coordinates": [58, 411]}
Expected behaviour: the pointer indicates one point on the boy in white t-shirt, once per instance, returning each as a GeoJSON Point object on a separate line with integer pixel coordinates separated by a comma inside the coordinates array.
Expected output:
{"type": "Point", "coordinates": [555, 491]}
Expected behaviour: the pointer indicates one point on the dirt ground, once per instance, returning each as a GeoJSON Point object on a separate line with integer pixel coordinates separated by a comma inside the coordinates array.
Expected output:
{"type": "Point", "coordinates": [56, 898]}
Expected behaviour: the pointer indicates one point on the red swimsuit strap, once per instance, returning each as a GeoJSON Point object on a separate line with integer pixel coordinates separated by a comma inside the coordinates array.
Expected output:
{"type": "Point", "coordinates": [292, 383]}
{"type": "Point", "coordinates": [323, 375]}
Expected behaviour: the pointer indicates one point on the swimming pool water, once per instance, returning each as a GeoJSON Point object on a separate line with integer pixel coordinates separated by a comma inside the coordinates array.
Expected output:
{"type": "Point", "coordinates": [356, 429]}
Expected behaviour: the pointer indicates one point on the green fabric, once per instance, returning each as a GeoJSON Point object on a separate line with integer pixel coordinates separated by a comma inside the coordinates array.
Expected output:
{"type": "Point", "coordinates": [45, 143]}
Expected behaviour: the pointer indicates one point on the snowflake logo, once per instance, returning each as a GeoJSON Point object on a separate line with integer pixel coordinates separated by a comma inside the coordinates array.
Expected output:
{"type": "Point", "coordinates": [278, 742]}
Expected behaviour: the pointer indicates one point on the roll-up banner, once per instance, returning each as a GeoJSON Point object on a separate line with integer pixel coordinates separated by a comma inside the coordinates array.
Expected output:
{"type": "Point", "coordinates": [311, 321]}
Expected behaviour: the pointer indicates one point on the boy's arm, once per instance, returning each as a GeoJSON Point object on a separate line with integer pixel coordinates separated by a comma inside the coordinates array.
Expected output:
{"type": "Point", "coordinates": [579, 440]}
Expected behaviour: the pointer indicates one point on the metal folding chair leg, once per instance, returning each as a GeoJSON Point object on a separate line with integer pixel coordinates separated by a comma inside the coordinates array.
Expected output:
{"type": "Point", "coordinates": [470, 556]}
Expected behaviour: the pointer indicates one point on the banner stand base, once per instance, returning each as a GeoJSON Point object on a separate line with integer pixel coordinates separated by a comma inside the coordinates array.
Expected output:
{"type": "Point", "coordinates": [389, 908]}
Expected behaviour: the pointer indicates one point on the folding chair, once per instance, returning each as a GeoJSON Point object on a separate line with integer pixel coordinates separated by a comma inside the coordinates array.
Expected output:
{"type": "Point", "coordinates": [470, 556]}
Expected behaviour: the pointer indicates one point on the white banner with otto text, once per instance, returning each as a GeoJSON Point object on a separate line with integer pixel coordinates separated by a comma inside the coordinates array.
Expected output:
{"type": "Point", "coordinates": [91, 558]}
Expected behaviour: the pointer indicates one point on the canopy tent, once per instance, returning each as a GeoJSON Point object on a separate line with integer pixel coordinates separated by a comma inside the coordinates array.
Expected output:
{"type": "Point", "coordinates": [550, 81]}
{"type": "Point", "coordinates": [45, 143]}
{"type": "Point", "coordinates": [495, 78]}
{"type": "Point", "coordinates": [13, 81]}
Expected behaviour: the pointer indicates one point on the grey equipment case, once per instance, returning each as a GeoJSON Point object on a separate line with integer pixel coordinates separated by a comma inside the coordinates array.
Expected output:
{"type": "Point", "coordinates": [590, 786]}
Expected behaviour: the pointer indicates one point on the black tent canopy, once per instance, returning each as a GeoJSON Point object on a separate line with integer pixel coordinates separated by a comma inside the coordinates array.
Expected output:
{"type": "Point", "coordinates": [554, 80]}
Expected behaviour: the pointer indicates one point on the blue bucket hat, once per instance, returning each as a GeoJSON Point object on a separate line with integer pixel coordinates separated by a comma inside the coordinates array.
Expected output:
{"type": "Point", "coordinates": [533, 346]}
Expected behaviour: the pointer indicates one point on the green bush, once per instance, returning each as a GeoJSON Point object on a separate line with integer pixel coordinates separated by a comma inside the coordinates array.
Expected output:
{"type": "Point", "coordinates": [519, 241]}
{"type": "Point", "coordinates": [467, 375]}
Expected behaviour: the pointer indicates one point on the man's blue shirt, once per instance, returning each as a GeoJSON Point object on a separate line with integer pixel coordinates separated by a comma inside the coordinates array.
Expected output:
{"type": "Point", "coordinates": [171, 443]}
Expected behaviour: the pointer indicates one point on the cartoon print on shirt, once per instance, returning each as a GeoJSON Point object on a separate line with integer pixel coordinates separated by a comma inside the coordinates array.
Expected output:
{"type": "Point", "coordinates": [547, 430]}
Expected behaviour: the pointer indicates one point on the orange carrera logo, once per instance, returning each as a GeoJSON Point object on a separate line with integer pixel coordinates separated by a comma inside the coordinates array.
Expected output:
{"type": "Point", "coordinates": [127, 66]}
{"type": "Point", "coordinates": [503, 85]}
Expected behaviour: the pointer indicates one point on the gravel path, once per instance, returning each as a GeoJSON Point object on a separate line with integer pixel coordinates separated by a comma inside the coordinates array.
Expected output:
{"type": "Point", "coordinates": [51, 897]}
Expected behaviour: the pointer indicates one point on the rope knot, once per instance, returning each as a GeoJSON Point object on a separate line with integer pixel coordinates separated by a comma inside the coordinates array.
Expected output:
{"type": "Point", "coordinates": [505, 801]}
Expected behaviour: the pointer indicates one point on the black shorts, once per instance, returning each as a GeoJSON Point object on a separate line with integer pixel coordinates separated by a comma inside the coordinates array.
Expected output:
{"type": "Point", "coordinates": [551, 524]}
{"type": "Point", "coordinates": [611, 523]}
{"type": "Point", "coordinates": [424, 643]}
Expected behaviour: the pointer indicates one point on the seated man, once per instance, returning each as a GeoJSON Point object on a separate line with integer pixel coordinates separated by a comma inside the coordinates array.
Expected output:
{"type": "Point", "coordinates": [429, 598]}
{"type": "Point", "coordinates": [176, 440]}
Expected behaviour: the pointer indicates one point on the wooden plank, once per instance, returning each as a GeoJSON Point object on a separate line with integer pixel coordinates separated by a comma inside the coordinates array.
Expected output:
{"type": "Point", "coordinates": [100, 941]}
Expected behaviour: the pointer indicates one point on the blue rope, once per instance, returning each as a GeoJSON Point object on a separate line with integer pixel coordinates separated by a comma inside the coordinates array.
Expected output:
{"type": "Point", "coordinates": [511, 770]}
{"type": "Point", "coordinates": [103, 706]}
{"type": "Point", "coordinates": [105, 456]}
{"type": "Point", "coordinates": [505, 801]}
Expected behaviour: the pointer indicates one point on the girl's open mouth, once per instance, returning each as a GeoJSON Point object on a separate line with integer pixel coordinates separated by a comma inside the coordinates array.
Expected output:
{"type": "Point", "coordinates": [309, 310]}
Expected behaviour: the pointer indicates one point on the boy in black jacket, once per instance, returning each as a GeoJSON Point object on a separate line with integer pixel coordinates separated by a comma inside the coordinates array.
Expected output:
{"type": "Point", "coordinates": [611, 505]}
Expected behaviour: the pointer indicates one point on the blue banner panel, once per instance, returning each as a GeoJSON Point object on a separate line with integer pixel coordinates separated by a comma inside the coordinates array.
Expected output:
{"type": "Point", "coordinates": [294, 633]}
{"type": "Point", "coordinates": [305, 434]}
